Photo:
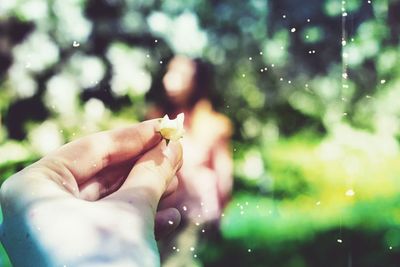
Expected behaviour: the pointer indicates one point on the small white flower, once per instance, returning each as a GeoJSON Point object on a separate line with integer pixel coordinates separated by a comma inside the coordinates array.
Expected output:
{"type": "Point", "coordinates": [172, 129]}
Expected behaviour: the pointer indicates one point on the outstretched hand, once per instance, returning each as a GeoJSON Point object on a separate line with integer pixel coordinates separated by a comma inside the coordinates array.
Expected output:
{"type": "Point", "coordinates": [93, 202]}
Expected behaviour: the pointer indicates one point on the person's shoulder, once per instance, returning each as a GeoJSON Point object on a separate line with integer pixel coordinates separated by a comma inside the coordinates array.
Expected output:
{"type": "Point", "coordinates": [206, 116]}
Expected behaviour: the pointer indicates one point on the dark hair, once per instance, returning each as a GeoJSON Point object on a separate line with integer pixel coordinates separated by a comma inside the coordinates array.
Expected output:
{"type": "Point", "coordinates": [203, 87]}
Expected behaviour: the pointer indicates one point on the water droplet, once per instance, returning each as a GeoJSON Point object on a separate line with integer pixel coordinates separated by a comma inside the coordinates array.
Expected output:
{"type": "Point", "coordinates": [339, 240]}
{"type": "Point", "coordinates": [243, 75]}
{"type": "Point", "coordinates": [203, 231]}
{"type": "Point", "coordinates": [173, 247]}
{"type": "Point", "coordinates": [177, 250]}
{"type": "Point", "coordinates": [195, 255]}
{"type": "Point", "coordinates": [249, 250]}
{"type": "Point", "coordinates": [156, 41]}
{"type": "Point", "coordinates": [261, 53]}
{"type": "Point", "coordinates": [284, 16]}
{"type": "Point", "coordinates": [344, 14]}
{"type": "Point", "coordinates": [344, 43]}
{"type": "Point", "coordinates": [75, 44]}
{"type": "Point", "coordinates": [293, 30]}
{"type": "Point", "coordinates": [171, 222]}
{"type": "Point", "coordinates": [250, 58]}
{"type": "Point", "coordinates": [390, 247]}
{"type": "Point", "coordinates": [383, 81]}
{"type": "Point", "coordinates": [161, 62]}
{"type": "Point", "coordinates": [308, 20]}
{"type": "Point", "coordinates": [191, 248]}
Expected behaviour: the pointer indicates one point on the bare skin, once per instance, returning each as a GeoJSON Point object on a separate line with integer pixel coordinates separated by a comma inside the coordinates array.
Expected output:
{"type": "Point", "coordinates": [93, 202]}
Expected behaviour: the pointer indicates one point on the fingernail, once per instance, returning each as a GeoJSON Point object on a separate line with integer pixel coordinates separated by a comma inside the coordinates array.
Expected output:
{"type": "Point", "coordinates": [173, 151]}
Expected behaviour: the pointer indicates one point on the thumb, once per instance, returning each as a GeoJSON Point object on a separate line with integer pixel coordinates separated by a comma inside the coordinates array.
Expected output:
{"type": "Point", "coordinates": [152, 174]}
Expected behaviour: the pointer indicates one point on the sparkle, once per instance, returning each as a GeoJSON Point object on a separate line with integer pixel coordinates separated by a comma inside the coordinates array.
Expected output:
{"type": "Point", "coordinates": [293, 30]}
{"type": "Point", "coordinates": [184, 208]}
{"type": "Point", "coordinates": [76, 44]}
{"type": "Point", "coordinates": [383, 81]}
{"type": "Point", "coordinates": [339, 240]}
{"type": "Point", "coordinates": [191, 248]}
{"type": "Point", "coordinates": [171, 222]}
{"type": "Point", "coordinates": [249, 250]}
{"type": "Point", "coordinates": [350, 193]}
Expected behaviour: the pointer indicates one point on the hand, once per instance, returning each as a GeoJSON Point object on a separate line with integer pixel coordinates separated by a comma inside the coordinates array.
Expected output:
{"type": "Point", "coordinates": [93, 201]}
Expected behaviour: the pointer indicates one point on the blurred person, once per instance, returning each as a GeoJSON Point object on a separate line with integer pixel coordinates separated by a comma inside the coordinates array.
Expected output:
{"type": "Point", "coordinates": [205, 179]}
{"type": "Point", "coordinates": [93, 201]}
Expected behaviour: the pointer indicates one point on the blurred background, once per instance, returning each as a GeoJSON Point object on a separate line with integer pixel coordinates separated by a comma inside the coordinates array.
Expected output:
{"type": "Point", "coordinates": [312, 88]}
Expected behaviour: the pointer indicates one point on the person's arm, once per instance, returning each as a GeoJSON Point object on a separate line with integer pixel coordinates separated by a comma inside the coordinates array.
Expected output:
{"type": "Point", "coordinates": [92, 202]}
{"type": "Point", "coordinates": [223, 166]}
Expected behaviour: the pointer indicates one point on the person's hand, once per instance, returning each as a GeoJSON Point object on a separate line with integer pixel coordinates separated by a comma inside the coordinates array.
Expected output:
{"type": "Point", "coordinates": [93, 201]}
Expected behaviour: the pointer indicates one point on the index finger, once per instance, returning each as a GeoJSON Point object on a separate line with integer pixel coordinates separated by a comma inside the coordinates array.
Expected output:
{"type": "Point", "coordinates": [88, 155]}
